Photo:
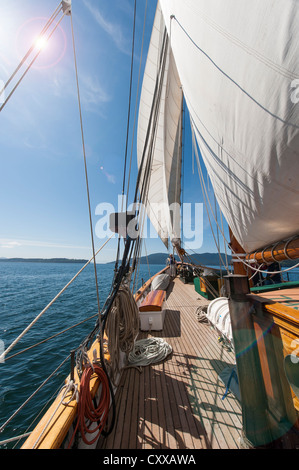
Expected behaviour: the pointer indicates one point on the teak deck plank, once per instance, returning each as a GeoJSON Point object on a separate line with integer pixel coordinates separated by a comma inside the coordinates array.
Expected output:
{"type": "Point", "coordinates": [178, 404]}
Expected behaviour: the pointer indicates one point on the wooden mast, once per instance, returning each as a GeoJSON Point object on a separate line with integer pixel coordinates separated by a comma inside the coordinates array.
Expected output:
{"type": "Point", "coordinates": [254, 415]}
{"type": "Point", "coordinates": [250, 378]}
{"type": "Point", "coordinates": [239, 267]}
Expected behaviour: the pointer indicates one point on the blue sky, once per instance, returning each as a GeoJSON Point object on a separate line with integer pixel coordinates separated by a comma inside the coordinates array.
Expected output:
{"type": "Point", "coordinates": [43, 202]}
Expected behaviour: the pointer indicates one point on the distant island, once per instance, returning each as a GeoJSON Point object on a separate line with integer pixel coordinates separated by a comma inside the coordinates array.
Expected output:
{"type": "Point", "coordinates": [204, 259]}
{"type": "Point", "coordinates": [211, 259]}
{"type": "Point", "coordinates": [207, 259]}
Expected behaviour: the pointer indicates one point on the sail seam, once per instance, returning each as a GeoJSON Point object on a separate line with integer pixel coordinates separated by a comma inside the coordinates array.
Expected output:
{"type": "Point", "coordinates": [234, 82]}
{"type": "Point", "coordinates": [249, 50]}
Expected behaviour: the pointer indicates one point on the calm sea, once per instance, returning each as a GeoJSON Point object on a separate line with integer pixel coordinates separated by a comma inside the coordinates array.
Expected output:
{"type": "Point", "coordinates": [25, 290]}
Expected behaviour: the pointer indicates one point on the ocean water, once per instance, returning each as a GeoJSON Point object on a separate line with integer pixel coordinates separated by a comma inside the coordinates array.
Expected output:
{"type": "Point", "coordinates": [25, 290]}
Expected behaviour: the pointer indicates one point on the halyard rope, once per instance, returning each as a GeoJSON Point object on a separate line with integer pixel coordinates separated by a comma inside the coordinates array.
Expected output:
{"type": "Point", "coordinates": [122, 327]}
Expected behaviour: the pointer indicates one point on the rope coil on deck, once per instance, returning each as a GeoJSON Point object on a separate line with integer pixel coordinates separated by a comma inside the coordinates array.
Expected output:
{"type": "Point", "coordinates": [201, 314]}
{"type": "Point", "coordinates": [148, 351]}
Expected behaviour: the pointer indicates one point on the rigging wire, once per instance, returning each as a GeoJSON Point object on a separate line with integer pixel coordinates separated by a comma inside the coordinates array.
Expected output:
{"type": "Point", "coordinates": [129, 106]}
{"type": "Point", "coordinates": [218, 239]}
{"type": "Point", "coordinates": [137, 96]}
{"type": "Point", "coordinates": [127, 136]}
{"type": "Point", "coordinates": [85, 164]}
{"type": "Point", "coordinates": [41, 412]}
{"type": "Point", "coordinates": [183, 163]}
{"type": "Point", "coordinates": [222, 231]}
{"type": "Point", "coordinates": [151, 132]}
{"type": "Point", "coordinates": [153, 121]}
{"type": "Point", "coordinates": [148, 266]}
{"type": "Point", "coordinates": [30, 65]}
{"type": "Point", "coordinates": [32, 395]}
{"type": "Point", "coordinates": [45, 28]}
{"type": "Point", "coordinates": [206, 197]}
{"type": "Point", "coordinates": [50, 338]}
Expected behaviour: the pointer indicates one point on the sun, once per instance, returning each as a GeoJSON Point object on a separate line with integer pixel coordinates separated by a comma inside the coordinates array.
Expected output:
{"type": "Point", "coordinates": [40, 42]}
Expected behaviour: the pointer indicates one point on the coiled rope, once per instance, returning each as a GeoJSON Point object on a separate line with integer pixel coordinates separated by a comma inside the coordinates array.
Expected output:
{"type": "Point", "coordinates": [87, 410]}
{"type": "Point", "coordinates": [201, 314]}
{"type": "Point", "coordinates": [148, 351]}
{"type": "Point", "coordinates": [122, 327]}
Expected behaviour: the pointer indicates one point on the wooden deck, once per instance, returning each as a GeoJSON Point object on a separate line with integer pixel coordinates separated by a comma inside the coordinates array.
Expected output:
{"type": "Point", "coordinates": [178, 404]}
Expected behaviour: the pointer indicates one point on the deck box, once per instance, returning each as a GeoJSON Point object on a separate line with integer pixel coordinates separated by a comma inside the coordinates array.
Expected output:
{"type": "Point", "coordinates": [152, 311]}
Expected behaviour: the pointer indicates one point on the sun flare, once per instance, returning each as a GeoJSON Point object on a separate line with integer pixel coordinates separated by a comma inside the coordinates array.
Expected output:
{"type": "Point", "coordinates": [40, 43]}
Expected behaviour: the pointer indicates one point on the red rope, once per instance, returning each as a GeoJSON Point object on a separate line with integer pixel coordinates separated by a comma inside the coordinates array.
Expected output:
{"type": "Point", "coordinates": [86, 409]}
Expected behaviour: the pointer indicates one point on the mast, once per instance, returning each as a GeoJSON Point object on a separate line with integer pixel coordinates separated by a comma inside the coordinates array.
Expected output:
{"type": "Point", "coordinates": [237, 253]}
{"type": "Point", "coordinates": [254, 405]}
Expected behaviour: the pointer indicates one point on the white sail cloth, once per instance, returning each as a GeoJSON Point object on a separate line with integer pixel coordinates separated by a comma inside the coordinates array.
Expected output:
{"type": "Point", "coordinates": [162, 199]}
{"type": "Point", "coordinates": [238, 65]}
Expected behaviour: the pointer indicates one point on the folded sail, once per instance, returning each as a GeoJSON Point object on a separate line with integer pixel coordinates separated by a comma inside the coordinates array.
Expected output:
{"type": "Point", "coordinates": [238, 65]}
{"type": "Point", "coordinates": [159, 136]}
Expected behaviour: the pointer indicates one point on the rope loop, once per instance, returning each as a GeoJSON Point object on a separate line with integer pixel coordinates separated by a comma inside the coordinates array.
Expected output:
{"type": "Point", "coordinates": [285, 249]}
{"type": "Point", "coordinates": [70, 386]}
{"type": "Point", "coordinates": [122, 328]}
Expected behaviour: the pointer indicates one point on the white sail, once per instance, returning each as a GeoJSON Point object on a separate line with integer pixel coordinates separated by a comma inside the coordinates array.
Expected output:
{"type": "Point", "coordinates": [162, 199]}
{"type": "Point", "coordinates": [237, 62]}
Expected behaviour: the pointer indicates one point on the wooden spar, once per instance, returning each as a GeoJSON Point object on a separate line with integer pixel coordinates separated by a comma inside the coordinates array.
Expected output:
{"type": "Point", "coordinates": [253, 397]}
{"type": "Point", "coordinates": [281, 251]}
